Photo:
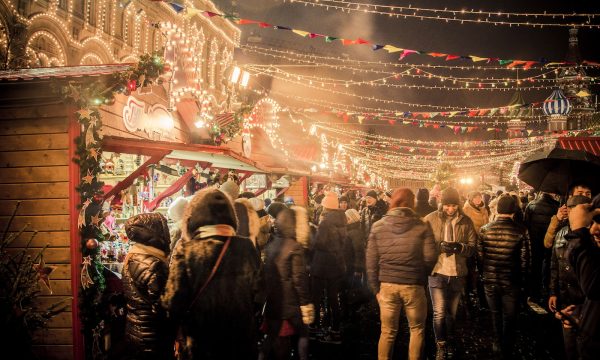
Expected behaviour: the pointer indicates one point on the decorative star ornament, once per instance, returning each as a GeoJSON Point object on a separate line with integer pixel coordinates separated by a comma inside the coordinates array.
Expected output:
{"type": "Point", "coordinates": [74, 93]}
{"type": "Point", "coordinates": [94, 121]}
{"type": "Point", "coordinates": [44, 272]}
{"type": "Point", "coordinates": [88, 178]}
{"type": "Point", "coordinates": [85, 113]}
{"type": "Point", "coordinates": [96, 219]}
{"type": "Point", "coordinates": [94, 153]}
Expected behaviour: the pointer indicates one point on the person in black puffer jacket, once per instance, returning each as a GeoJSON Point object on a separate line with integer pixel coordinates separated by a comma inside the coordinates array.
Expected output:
{"type": "Point", "coordinates": [504, 254]}
{"type": "Point", "coordinates": [328, 265]}
{"type": "Point", "coordinates": [220, 324]}
{"type": "Point", "coordinates": [400, 253]}
{"type": "Point", "coordinates": [422, 208]}
{"type": "Point", "coordinates": [538, 214]}
{"type": "Point", "coordinates": [372, 212]}
{"type": "Point", "coordinates": [289, 307]}
{"type": "Point", "coordinates": [144, 278]}
{"type": "Point", "coordinates": [564, 288]}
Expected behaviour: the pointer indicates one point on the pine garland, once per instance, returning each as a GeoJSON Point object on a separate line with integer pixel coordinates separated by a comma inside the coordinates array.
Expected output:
{"type": "Point", "coordinates": [222, 135]}
{"type": "Point", "coordinates": [88, 97]}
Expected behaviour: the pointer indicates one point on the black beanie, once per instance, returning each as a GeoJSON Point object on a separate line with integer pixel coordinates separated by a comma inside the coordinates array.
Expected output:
{"type": "Point", "coordinates": [372, 193]}
{"type": "Point", "coordinates": [507, 205]}
{"type": "Point", "coordinates": [275, 208]}
{"type": "Point", "coordinates": [450, 196]}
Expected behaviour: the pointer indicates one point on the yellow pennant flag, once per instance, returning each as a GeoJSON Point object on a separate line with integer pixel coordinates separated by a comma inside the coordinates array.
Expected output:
{"type": "Point", "coordinates": [190, 12]}
{"type": "Point", "coordinates": [360, 119]}
{"type": "Point", "coordinates": [477, 58]}
{"type": "Point", "coordinates": [300, 32]}
{"type": "Point", "coordinates": [392, 49]}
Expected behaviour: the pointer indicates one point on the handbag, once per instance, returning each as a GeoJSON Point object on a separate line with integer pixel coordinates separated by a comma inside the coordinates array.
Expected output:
{"type": "Point", "coordinates": [179, 341]}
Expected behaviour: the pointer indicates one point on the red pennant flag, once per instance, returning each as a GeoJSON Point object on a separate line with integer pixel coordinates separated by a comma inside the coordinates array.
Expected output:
{"type": "Point", "coordinates": [361, 41]}
{"type": "Point", "coordinates": [529, 64]}
{"type": "Point", "coordinates": [472, 113]}
{"type": "Point", "coordinates": [405, 53]}
{"type": "Point", "coordinates": [246, 21]}
{"type": "Point", "coordinates": [515, 63]}
{"type": "Point", "coordinates": [347, 42]}
{"type": "Point", "coordinates": [265, 25]}
{"type": "Point", "coordinates": [209, 14]}
{"type": "Point", "coordinates": [312, 35]}
{"type": "Point", "coordinates": [415, 114]}
{"type": "Point", "coordinates": [426, 115]}
{"type": "Point", "coordinates": [392, 122]}
{"type": "Point", "coordinates": [436, 126]}
{"type": "Point", "coordinates": [434, 54]}
{"type": "Point", "coordinates": [345, 118]}
{"type": "Point", "coordinates": [483, 112]}
{"type": "Point", "coordinates": [452, 57]}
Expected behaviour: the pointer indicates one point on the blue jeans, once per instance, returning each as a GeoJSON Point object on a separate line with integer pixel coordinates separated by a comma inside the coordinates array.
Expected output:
{"type": "Point", "coordinates": [445, 294]}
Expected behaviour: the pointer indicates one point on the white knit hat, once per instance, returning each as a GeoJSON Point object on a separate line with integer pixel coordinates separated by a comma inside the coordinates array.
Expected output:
{"type": "Point", "coordinates": [176, 209]}
{"type": "Point", "coordinates": [231, 189]}
{"type": "Point", "coordinates": [352, 216]}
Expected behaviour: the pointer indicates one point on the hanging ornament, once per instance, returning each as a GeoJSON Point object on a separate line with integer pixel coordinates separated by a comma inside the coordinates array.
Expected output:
{"type": "Point", "coordinates": [92, 244]}
{"type": "Point", "coordinates": [86, 279]}
{"type": "Point", "coordinates": [89, 136]}
{"type": "Point", "coordinates": [95, 220]}
{"type": "Point", "coordinates": [132, 85]}
{"type": "Point", "coordinates": [44, 272]}
{"type": "Point", "coordinates": [88, 178]}
{"type": "Point", "coordinates": [81, 217]}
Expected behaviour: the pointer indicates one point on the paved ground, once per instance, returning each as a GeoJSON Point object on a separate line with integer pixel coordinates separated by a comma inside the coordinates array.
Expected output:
{"type": "Point", "coordinates": [538, 337]}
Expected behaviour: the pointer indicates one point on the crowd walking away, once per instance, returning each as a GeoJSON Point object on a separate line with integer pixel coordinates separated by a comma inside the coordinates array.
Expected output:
{"type": "Point", "coordinates": [377, 274]}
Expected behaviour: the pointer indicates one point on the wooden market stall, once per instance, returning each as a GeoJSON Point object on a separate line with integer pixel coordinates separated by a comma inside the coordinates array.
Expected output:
{"type": "Point", "coordinates": [38, 132]}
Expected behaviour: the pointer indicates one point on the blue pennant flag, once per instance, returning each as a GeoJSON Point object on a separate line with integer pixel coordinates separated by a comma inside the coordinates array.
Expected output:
{"type": "Point", "coordinates": [178, 8]}
{"type": "Point", "coordinates": [376, 47]}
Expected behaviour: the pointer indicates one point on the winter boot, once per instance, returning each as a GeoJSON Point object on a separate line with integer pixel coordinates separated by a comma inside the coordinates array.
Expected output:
{"type": "Point", "coordinates": [440, 354]}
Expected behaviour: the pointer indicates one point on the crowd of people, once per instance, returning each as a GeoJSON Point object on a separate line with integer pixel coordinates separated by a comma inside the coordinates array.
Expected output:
{"type": "Point", "coordinates": [237, 277]}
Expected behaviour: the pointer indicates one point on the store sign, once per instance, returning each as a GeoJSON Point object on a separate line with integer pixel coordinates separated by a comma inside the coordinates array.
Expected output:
{"type": "Point", "coordinates": [137, 115]}
{"type": "Point", "coordinates": [256, 181]}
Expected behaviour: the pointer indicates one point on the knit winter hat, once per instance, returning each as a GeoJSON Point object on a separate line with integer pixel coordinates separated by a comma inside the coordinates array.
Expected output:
{"type": "Point", "coordinates": [275, 208]}
{"type": "Point", "coordinates": [352, 216]}
{"type": "Point", "coordinates": [473, 194]}
{"type": "Point", "coordinates": [450, 196]}
{"type": "Point", "coordinates": [257, 204]}
{"type": "Point", "coordinates": [372, 193]}
{"type": "Point", "coordinates": [330, 201]}
{"type": "Point", "coordinates": [176, 209]}
{"type": "Point", "coordinates": [506, 205]}
{"type": "Point", "coordinates": [402, 197]}
{"type": "Point", "coordinates": [230, 188]}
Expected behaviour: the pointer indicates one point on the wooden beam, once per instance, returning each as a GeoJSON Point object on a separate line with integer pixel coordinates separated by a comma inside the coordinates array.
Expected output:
{"type": "Point", "coordinates": [246, 175]}
{"type": "Point", "coordinates": [125, 183]}
{"type": "Point", "coordinates": [176, 186]}
{"type": "Point", "coordinates": [74, 178]}
{"type": "Point", "coordinates": [282, 191]}
{"type": "Point", "coordinates": [260, 191]}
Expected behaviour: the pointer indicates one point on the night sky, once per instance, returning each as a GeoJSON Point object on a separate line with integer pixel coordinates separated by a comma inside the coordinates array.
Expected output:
{"type": "Point", "coordinates": [485, 40]}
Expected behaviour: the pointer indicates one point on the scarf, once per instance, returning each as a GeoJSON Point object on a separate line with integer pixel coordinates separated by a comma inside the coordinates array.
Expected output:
{"type": "Point", "coordinates": [207, 231]}
{"type": "Point", "coordinates": [148, 250]}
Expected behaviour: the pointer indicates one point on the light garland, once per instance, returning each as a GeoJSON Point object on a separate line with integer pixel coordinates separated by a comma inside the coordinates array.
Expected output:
{"type": "Point", "coordinates": [52, 38]}
{"type": "Point", "coordinates": [91, 56]}
{"type": "Point", "coordinates": [451, 15]}
{"type": "Point", "coordinates": [271, 127]}
{"type": "Point", "coordinates": [383, 82]}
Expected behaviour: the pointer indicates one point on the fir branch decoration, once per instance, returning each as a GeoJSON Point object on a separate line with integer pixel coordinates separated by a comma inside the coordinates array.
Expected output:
{"type": "Point", "coordinates": [87, 98]}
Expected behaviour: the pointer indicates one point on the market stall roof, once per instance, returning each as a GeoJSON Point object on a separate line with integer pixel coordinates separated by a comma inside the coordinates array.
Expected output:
{"type": "Point", "coordinates": [62, 72]}
{"type": "Point", "coordinates": [589, 144]}
{"type": "Point", "coordinates": [219, 157]}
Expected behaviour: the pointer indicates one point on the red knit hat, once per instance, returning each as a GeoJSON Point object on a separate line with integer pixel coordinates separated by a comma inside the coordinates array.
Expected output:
{"type": "Point", "coordinates": [402, 197]}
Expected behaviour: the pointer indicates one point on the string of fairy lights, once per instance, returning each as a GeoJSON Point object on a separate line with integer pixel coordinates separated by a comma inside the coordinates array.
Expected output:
{"type": "Point", "coordinates": [580, 20]}
{"type": "Point", "coordinates": [387, 81]}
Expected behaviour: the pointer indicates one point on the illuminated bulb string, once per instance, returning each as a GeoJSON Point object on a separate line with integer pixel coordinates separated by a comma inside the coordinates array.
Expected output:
{"type": "Point", "coordinates": [451, 15]}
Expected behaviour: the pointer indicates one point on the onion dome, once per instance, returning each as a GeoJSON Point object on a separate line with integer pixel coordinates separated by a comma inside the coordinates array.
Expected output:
{"type": "Point", "coordinates": [557, 104]}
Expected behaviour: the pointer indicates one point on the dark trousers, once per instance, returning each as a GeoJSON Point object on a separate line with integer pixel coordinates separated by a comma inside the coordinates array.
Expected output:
{"type": "Point", "coordinates": [332, 287]}
{"type": "Point", "coordinates": [445, 295]}
{"type": "Point", "coordinates": [504, 305]}
{"type": "Point", "coordinates": [570, 339]}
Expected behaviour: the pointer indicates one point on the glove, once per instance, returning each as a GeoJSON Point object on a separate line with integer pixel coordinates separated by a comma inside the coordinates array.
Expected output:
{"type": "Point", "coordinates": [308, 313]}
{"type": "Point", "coordinates": [451, 248]}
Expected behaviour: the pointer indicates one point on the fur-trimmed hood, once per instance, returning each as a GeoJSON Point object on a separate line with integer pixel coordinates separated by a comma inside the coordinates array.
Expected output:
{"type": "Point", "coordinates": [248, 220]}
{"type": "Point", "coordinates": [293, 223]}
{"type": "Point", "coordinates": [208, 207]}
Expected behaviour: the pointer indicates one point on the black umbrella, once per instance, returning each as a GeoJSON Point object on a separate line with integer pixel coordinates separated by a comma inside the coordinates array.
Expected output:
{"type": "Point", "coordinates": [555, 170]}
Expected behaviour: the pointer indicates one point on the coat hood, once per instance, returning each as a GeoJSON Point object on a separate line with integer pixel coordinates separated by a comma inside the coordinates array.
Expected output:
{"type": "Point", "coordinates": [208, 207]}
{"type": "Point", "coordinates": [248, 221]}
{"type": "Point", "coordinates": [337, 217]}
{"type": "Point", "coordinates": [149, 229]}
{"type": "Point", "coordinates": [423, 195]}
{"type": "Point", "coordinates": [401, 219]}
{"type": "Point", "coordinates": [293, 223]}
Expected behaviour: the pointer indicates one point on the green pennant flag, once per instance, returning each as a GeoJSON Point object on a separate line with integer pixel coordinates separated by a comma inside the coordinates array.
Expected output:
{"type": "Point", "coordinates": [504, 62]}
{"type": "Point", "coordinates": [330, 39]}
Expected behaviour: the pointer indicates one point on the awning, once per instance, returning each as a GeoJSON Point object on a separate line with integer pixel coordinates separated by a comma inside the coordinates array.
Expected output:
{"type": "Point", "coordinates": [589, 144]}
{"type": "Point", "coordinates": [218, 157]}
{"type": "Point", "coordinates": [62, 72]}
{"type": "Point", "coordinates": [223, 161]}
